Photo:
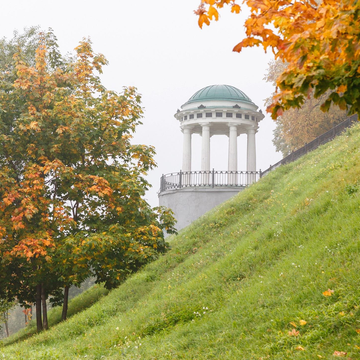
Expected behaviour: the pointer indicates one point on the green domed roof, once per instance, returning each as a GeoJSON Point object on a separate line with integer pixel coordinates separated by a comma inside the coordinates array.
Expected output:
{"type": "Point", "coordinates": [219, 92]}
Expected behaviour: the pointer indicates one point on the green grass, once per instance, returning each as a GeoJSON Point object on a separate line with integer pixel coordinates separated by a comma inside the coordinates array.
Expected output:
{"type": "Point", "coordinates": [246, 281]}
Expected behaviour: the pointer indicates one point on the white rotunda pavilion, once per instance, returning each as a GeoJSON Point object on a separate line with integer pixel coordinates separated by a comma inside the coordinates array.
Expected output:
{"type": "Point", "coordinates": [213, 110]}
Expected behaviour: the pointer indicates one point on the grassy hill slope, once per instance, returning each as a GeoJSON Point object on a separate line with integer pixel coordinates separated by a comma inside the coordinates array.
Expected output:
{"type": "Point", "coordinates": [271, 274]}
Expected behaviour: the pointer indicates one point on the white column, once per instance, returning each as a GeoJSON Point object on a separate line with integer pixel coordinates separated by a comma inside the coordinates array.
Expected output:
{"type": "Point", "coordinates": [205, 153]}
{"type": "Point", "coordinates": [232, 159]}
{"type": "Point", "coordinates": [186, 165]}
{"type": "Point", "coordinates": [251, 155]}
{"type": "Point", "coordinates": [205, 148]}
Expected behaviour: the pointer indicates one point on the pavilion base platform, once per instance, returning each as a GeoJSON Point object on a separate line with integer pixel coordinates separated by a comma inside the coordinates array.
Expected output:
{"type": "Point", "coordinates": [188, 204]}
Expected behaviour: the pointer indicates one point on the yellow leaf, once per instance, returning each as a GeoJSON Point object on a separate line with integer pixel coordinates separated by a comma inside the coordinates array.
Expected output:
{"type": "Point", "coordinates": [34, 125]}
{"type": "Point", "coordinates": [293, 324]}
{"type": "Point", "coordinates": [358, 331]}
{"type": "Point", "coordinates": [32, 110]}
{"type": "Point", "coordinates": [61, 129]}
{"type": "Point", "coordinates": [302, 322]}
{"type": "Point", "coordinates": [300, 348]}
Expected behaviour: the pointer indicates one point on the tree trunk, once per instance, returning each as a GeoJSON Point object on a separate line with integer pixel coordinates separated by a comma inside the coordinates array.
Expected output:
{"type": "Point", "coordinates": [6, 317]}
{"type": "Point", "coordinates": [44, 308]}
{"type": "Point", "coordinates": [26, 316]}
{"type": "Point", "coordinates": [65, 304]}
{"type": "Point", "coordinates": [39, 324]}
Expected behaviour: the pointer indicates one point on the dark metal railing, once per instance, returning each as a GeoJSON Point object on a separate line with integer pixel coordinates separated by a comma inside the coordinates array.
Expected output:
{"type": "Point", "coordinates": [208, 179]}
{"type": "Point", "coordinates": [320, 140]}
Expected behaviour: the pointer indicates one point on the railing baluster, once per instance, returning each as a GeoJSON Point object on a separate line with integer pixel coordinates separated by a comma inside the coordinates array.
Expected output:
{"type": "Point", "coordinates": [233, 179]}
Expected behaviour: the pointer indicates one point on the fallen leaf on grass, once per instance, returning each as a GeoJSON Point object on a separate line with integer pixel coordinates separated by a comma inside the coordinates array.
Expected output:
{"type": "Point", "coordinates": [339, 353]}
{"type": "Point", "coordinates": [302, 322]}
{"type": "Point", "coordinates": [328, 292]}
{"type": "Point", "coordinates": [300, 348]}
{"type": "Point", "coordinates": [293, 332]}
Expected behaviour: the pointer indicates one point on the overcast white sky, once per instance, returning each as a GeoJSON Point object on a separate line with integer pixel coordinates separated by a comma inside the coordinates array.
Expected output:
{"type": "Point", "coordinates": [158, 47]}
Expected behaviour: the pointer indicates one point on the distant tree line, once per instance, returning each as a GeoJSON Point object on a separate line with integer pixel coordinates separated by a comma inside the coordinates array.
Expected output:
{"type": "Point", "coordinates": [296, 127]}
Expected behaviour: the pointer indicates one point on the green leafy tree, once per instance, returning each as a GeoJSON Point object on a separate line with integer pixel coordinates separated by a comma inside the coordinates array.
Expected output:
{"type": "Point", "coordinates": [71, 181]}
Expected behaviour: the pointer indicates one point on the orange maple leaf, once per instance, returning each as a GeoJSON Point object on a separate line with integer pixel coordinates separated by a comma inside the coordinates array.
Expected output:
{"type": "Point", "coordinates": [203, 18]}
{"type": "Point", "coordinates": [212, 12]}
{"type": "Point", "coordinates": [341, 89]}
{"type": "Point", "coordinates": [235, 9]}
{"type": "Point", "coordinates": [245, 43]}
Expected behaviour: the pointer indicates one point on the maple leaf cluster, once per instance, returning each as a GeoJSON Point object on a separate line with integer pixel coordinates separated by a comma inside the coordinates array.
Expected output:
{"type": "Point", "coordinates": [319, 41]}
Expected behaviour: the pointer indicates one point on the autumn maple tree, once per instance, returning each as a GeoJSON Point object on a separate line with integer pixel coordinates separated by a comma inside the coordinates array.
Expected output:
{"type": "Point", "coordinates": [319, 41]}
{"type": "Point", "coordinates": [71, 181]}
